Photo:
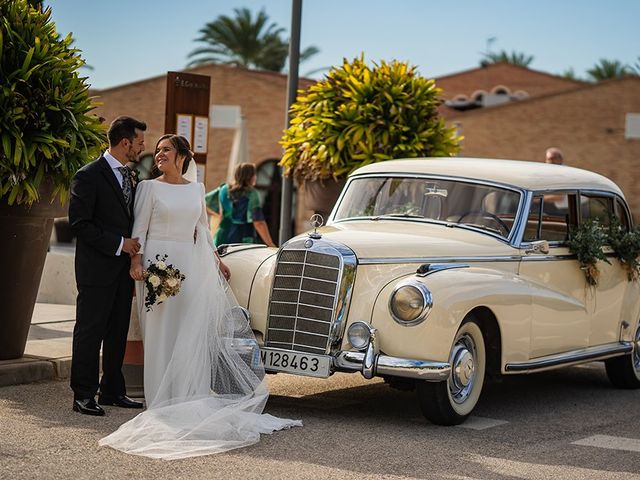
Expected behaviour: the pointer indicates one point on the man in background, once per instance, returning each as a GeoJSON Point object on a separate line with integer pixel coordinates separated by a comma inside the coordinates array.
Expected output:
{"type": "Point", "coordinates": [554, 156]}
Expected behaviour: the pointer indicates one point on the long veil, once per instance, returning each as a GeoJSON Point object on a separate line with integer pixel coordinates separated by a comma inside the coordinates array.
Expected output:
{"type": "Point", "coordinates": [213, 393]}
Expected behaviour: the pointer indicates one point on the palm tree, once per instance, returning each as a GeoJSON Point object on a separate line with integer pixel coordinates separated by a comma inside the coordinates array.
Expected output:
{"type": "Point", "coordinates": [570, 74]}
{"type": "Point", "coordinates": [513, 58]}
{"type": "Point", "coordinates": [245, 42]}
{"type": "Point", "coordinates": [608, 69]}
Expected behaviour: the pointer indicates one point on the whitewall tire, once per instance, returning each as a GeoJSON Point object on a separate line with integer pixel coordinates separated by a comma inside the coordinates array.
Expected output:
{"type": "Point", "coordinates": [451, 402]}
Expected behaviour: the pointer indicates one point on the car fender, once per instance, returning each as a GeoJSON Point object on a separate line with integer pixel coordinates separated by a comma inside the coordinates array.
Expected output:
{"type": "Point", "coordinates": [455, 293]}
{"type": "Point", "coordinates": [251, 277]}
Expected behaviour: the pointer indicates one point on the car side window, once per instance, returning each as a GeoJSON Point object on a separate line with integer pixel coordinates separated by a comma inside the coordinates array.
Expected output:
{"type": "Point", "coordinates": [532, 230]}
{"type": "Point", "coordinates": [549, 217]}
{"type": "Point", "coordinates": [596, 207]}
{"type": "Point", "coordinates": [621, 213]}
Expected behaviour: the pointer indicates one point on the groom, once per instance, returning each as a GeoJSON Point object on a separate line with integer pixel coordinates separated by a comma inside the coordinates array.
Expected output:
{"type": "Point", "coordinates": [101, 215]}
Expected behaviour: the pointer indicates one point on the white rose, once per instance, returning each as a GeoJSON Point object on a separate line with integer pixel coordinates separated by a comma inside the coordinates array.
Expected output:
{"type": "Point", "coordinates": [154, 280]}
{"type": "Point", "coordinates": [161, 265]}
{"type": "Point", "coordinates": [172, 282]}
{"type": "Point", "coordinates": [162, 297]}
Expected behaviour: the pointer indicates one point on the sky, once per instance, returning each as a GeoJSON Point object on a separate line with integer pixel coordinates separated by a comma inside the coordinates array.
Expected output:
{"type": "Point", "coordinates": [126, 41]}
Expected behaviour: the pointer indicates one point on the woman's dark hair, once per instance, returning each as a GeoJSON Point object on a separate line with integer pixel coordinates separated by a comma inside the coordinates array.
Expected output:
{"type": "Point", "coordinates": [242, 180]}
{"type": "Point", "coordinates": [182, 147]}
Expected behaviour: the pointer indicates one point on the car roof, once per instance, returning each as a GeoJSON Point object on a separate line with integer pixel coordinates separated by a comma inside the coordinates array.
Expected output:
{"type": "Point", "coordinates": [525, 175]}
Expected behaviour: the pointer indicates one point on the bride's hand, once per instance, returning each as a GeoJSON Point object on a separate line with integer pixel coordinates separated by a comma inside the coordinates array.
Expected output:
{"type": "Point", "coordinates": [136, 272]}
{"type": "Point", "coordinates": [224, 270]}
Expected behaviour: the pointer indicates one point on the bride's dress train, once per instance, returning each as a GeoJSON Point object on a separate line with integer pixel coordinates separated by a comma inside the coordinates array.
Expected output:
{"type": "Point", "coordinates": [204, 383]}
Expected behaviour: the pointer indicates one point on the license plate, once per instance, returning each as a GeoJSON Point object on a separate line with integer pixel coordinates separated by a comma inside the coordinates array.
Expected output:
{"type": "Point", "coordinates": [296, 362]}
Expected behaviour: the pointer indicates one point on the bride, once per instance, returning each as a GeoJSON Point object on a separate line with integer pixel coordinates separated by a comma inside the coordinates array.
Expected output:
{"type": "Point", "coordinates": [204, 395]}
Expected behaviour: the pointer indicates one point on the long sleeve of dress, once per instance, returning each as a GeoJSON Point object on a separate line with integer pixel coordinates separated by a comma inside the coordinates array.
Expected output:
{"type": "Point", "coordinates": [142, 210]}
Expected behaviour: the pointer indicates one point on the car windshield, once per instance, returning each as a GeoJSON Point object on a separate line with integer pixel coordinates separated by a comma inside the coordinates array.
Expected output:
{"type": "Point", "coordinates": [453, 202]}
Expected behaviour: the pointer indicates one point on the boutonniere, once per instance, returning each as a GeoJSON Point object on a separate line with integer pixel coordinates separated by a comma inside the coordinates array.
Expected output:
{"type": "Point", "coordinates": [133, 175]}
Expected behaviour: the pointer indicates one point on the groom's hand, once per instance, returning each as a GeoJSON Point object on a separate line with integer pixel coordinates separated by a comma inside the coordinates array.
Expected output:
{"type": "Point", "coordinates": [131, 246]}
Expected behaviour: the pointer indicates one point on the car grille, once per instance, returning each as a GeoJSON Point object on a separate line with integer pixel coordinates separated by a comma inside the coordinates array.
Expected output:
{"type": "Point", "coordinates": [303, 298]}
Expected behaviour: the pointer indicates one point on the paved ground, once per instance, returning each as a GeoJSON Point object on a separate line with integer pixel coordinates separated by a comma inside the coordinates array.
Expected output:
{"type": "Point", "coordinates": [568, 424]}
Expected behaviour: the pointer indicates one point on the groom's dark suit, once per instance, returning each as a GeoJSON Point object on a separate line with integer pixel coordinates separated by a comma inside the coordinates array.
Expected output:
{"type": "Point", "coordinates": [100, 218]}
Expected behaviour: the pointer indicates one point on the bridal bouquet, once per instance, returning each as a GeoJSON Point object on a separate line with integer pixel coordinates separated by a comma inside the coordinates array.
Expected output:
{"type": "Point", "coordinates": [162, 281]}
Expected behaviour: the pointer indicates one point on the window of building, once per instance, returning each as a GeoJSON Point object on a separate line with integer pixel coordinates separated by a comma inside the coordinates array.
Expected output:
{"type": "Point", "coordinates": [500, 90]}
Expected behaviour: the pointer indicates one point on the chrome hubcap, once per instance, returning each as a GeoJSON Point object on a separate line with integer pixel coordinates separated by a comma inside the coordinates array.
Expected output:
{"type": "Point", "coordinates": [463, 361]}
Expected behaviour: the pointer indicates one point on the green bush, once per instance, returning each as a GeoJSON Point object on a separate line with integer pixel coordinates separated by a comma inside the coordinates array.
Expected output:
{"type": "Point", "coordinates": [626, 245]}
{"type": "Point", "coordinates": [360, 115]}
{"type": "Point", "coordinates": [45, 127]}
{"type": "Point", "coordinates": [586, 241]}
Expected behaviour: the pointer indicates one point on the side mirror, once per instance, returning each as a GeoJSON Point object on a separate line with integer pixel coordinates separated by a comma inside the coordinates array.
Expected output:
{"type": "Point", "coordinates": [541, 246]}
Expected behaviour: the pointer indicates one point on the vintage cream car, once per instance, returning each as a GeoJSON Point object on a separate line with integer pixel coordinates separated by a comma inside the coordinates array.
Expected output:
{"type": "Point", "coordinates": [438, 272]}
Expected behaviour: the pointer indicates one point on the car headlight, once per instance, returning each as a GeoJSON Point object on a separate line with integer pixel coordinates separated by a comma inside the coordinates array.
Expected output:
{"type": "Point", "coordinates": [410, 302]}
{"type": "Point", "coordinates": [359, 334]}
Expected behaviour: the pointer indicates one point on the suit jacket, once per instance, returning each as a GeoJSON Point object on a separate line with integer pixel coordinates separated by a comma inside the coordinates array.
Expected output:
{"type": "Point", "coordinates": [99, 216]}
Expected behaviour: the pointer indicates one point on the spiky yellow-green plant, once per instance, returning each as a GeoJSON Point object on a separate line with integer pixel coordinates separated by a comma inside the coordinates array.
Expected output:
{"type": "Point", "coordinates": [360, 115]}
{"type": "Point", "coordinates": [46, 129]}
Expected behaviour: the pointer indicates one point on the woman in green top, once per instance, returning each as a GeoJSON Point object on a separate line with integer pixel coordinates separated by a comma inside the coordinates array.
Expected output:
{"type": "Point", "coordinates": [240, 210]}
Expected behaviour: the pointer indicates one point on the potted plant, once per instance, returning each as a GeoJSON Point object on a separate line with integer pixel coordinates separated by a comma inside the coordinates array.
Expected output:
{"type": "Point", "coordinates": [46, 134]}
{"type": "Point", "coordinates": [360, 115]}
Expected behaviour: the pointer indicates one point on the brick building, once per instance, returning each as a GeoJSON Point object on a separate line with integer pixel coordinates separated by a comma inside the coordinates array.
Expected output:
{"type": "Point", "coordinates": [586, 121]}
{"type": "Point", "coordinates": [503, 111]}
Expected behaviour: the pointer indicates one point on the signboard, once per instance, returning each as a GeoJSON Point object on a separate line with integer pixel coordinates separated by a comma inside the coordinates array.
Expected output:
{"type": "Point", "coordinates": [184, 126]}
{"type": "Point", "coordinates": [200, 134]}
{"type": "Point", "coordinates": [187, 112]}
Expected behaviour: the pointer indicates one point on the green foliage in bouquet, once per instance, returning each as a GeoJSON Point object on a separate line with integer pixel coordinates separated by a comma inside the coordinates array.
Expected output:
{"type": "Point", "coordinates": [586, 242]}
{"type": "Point", "coordinates": [360, 115]}
{"type": "Point", "coordinates": [46, 130]}
{"type": "Point", "coordinates": [626, 245]}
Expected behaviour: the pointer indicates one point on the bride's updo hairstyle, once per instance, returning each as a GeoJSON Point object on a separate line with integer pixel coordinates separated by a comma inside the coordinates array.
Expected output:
{"type": "Point", "coordinates": [182, 147]}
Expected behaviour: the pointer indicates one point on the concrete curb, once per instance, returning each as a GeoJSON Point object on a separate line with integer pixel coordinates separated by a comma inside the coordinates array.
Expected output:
{"type": "Point", "coordinates": [31, 369]}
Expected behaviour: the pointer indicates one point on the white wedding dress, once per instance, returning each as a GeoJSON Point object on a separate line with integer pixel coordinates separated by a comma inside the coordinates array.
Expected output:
{"type": "Point", "coordinates": [204, 384]}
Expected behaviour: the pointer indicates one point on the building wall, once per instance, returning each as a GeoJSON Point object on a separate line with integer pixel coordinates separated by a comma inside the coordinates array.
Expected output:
{"type": "Point", "coordinates": [515, 78]}
{"type": "Point", "coordinates": [587, 124]}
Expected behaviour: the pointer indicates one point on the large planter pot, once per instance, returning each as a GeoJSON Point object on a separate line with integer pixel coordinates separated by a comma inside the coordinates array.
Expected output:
{"type": "Point", "coordinates": [321, 195]}
{"type": "Point", "coordinates": [64, 232]}
{"type": "Point", "coordinates": [133, 364]}
{"type": "Point", "coordinates": [23, 244]}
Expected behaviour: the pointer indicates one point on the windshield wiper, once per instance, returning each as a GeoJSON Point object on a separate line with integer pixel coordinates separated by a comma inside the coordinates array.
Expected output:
{"type": "Point", "coordinates": [397, 215]}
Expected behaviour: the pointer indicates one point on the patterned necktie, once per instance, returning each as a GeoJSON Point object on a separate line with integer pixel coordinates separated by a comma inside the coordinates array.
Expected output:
{"type": "Point", "coordinates": [127, 189]}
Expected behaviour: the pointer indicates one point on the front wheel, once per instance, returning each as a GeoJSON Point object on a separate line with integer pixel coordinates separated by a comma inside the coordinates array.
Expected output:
{"type": "Point", "coordinates": [452, 401]}
{"type": "Point", "coordinates": [624, 372]}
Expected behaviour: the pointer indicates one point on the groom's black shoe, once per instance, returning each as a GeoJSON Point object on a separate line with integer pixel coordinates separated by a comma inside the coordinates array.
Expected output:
{"type": "Point", "coordinates": [88, 406]}
{"type": "Point", "coordinates": [119, 401]}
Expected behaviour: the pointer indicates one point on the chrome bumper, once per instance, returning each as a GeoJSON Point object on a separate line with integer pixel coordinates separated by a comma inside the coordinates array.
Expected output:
{"type": "Point", "coordinates": [371, 363]}
{"type": "Point", "coordinates": [384, 365]}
